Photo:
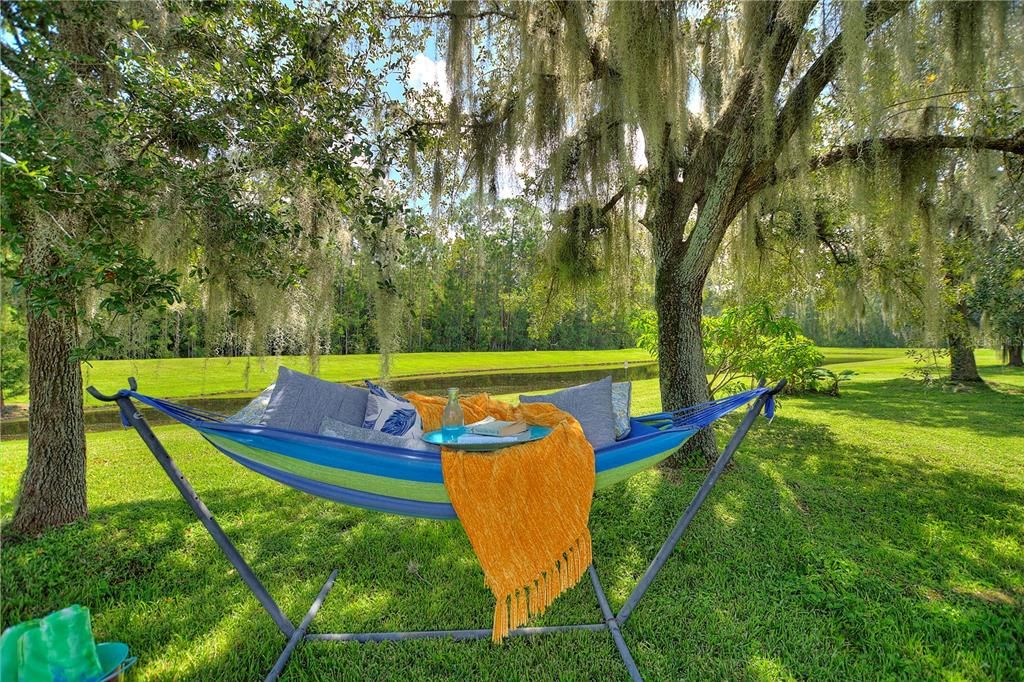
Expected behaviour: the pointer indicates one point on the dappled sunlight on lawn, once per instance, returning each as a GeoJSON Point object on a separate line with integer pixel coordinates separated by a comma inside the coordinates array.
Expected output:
{"type": "Point", "coordinates": [728, 510]}
{"type": "Point", "coordinates": [873, 534]}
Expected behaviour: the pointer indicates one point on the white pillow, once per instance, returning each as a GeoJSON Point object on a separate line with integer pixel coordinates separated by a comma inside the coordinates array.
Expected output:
{"type": "Point", "coordinates": [388, 413]}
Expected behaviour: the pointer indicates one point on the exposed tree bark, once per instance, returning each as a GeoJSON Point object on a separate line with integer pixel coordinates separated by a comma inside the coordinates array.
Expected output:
{"type": "Point", "coordinates": [678, 303]}
{"type": "Point", "coordinates": [869, 150]}
{"type": "Point", "coordinates": [52, 490]}
{"type": "Point", "coordinates": [683, 375]}
{"type": "Point", "coordinates": [797, 110]}
{"type": "Point", "coordinates": [1012, 144]}
{"type": "Point", "coordinates": [1014, 356]}
{"type": "Point", "coordinates": [962, 366]}
{"type": "Point", "coordinates": [711, 178]}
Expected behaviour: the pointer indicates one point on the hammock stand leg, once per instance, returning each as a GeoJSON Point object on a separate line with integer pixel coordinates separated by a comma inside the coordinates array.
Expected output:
{"type": "Point", "coordinates": [612, 623]}
{"type": "Point", "coordinates": [684, 521]}
{"type": "Point", "coordinates": [134, 418]}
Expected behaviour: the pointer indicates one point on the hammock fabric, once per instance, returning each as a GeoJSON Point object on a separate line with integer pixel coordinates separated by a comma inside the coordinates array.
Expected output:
{"type": "Point", "coordinates": [410, 482]}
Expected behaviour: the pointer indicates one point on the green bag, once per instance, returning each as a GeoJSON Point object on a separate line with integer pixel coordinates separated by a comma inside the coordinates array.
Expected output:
{"type": "Point", "coordinates": [57, 648]}
{"type": "Point", "coordinates": [33, 657]}
{"type": "Point", "coordinates": [9, 643]}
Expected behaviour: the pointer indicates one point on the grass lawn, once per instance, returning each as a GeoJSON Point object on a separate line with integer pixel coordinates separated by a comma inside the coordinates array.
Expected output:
{"type": "Point", "coordinates": [195, 377]}
{"type": "Point", "coordinates": [189, 377]}
{"type": "Point", "coordinates": [875, 535]}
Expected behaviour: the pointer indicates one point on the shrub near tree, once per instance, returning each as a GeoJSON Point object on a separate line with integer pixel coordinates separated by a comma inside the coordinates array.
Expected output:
{"type": "Point", "coordinates": [747, 343]}
{"type": "Point", "coordinates": [751, 342]}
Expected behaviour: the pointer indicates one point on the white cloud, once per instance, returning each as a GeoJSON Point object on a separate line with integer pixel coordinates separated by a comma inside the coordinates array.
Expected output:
{"type": "Point", "coordinates": [424, 72]}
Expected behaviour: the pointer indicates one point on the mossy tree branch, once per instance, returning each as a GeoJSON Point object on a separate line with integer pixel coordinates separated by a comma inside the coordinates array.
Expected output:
{"type": "Point", "coordinates": [874, 150]}
{"type": "Point", "coordinates": [799, 106]}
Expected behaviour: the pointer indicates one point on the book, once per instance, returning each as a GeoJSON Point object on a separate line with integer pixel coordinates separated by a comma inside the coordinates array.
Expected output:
{"type": "Point", "coordinates": [490, 426]}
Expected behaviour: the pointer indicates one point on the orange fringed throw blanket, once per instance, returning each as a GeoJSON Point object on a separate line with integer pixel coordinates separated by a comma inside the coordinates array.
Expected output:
{"type": "Point", "coordinates": [524, 508]}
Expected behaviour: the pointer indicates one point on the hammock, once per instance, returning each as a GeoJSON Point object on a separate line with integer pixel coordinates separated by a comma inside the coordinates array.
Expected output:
{"type": "Point", "coordinates": [408, 482]}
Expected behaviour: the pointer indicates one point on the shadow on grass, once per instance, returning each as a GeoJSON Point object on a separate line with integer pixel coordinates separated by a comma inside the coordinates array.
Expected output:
{"type": "Point", "coordinates": [819, 558]}
{"type": "Point", "coordinates": [814, 557]}
{"type": "Point", "coordinates": [979, 408]}
{"type": "Point", "coordinates": [154, 578]}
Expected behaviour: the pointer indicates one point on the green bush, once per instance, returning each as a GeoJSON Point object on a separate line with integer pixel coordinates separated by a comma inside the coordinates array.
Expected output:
{"type": "Point", "coordinates": [824, 380]}
{"type": "Point", "coordinates": [748, 343]}
{"type": "Point", "coordinates": [745, 344]}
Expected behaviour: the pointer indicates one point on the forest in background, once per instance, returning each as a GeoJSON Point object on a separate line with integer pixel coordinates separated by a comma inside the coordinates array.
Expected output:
{"type": "Point", "coordinates": [481, 282]}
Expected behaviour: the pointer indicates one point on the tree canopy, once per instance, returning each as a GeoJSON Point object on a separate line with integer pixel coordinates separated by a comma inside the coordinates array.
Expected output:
{"type": "Point", "coordinates": [694, 115]}
{"type": "Point", "coordinates": [256, 156]}
{"type": "Point", "coordinates": [237, 144]}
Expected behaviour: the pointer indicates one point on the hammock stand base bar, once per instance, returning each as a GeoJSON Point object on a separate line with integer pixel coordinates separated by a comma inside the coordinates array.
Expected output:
{"type": "Point", "coordinates": [296, 634]}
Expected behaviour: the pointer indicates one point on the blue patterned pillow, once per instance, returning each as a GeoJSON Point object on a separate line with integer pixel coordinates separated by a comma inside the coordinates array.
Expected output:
{"type": "Point", "coordinates": [339, 429]}
{"type": "Point", "coordinates": [389, 413]}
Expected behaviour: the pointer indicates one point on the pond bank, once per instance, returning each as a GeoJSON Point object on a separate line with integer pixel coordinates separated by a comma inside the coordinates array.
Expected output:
{"type": "Point", "coordinates": [495, 383]}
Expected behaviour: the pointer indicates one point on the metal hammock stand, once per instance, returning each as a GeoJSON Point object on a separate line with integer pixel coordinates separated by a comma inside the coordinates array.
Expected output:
{"type": "Point", "coordinates": [294, 634]}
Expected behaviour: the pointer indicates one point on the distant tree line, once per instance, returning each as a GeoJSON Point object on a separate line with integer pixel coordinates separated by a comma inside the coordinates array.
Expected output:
{"type": "Point", "coordinates": [483, 285]}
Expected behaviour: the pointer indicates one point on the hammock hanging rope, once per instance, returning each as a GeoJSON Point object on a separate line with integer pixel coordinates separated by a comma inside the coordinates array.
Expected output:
{"type": "Point", "coordinates": [409, 482]}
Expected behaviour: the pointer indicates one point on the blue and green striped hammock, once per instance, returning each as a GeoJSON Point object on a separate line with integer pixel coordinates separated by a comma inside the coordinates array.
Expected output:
{"type": "Point", "coordinates": [409, 482]}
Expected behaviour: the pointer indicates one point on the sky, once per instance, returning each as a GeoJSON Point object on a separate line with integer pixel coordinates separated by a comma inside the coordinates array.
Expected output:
{"type": "Point", "coordinates": [424, 72]}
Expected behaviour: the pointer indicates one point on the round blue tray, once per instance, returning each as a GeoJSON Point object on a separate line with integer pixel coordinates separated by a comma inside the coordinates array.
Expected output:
{"type": "Point", "coordinates": [476, 443]}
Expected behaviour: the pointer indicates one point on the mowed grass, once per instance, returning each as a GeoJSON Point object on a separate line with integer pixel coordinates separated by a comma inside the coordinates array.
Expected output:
{"type": "Point", "coordinates": [193, 377]}
{"type": "Point", "coordinates": [877, 535]}
{"type": "Point", "coordinates": [197, 377]}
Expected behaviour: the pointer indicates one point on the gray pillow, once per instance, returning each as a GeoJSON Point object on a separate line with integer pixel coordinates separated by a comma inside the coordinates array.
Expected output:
{"type": "Point", "coordinates": [300, 402]}
{"type": "Point", "coordinates": [338, 429]}
{"type": "Point", "coordinates": [590, 404]}
{"type": "Point", "coordinates": [253, 412]}
{"type": "Point", "coordinates": [622, 394]}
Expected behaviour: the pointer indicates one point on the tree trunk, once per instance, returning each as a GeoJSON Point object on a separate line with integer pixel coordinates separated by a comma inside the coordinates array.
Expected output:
{"type": "Point", "coordinates": [962, 367]}
{"type": "Point", "coordinates": [681, 368]}
{"type": "Point", "coordinates": [1013, 355]}
{"type": "Point", "coordinates": [52, 489]}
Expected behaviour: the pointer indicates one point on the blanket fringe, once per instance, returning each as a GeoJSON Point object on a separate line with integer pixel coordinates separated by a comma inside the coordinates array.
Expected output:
{"type": "Point", "coordinates": [518, 605]}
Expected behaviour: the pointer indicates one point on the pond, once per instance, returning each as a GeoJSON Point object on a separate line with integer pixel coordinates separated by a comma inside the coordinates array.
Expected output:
{"type": "Point", "coordinates": [495, 383]}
